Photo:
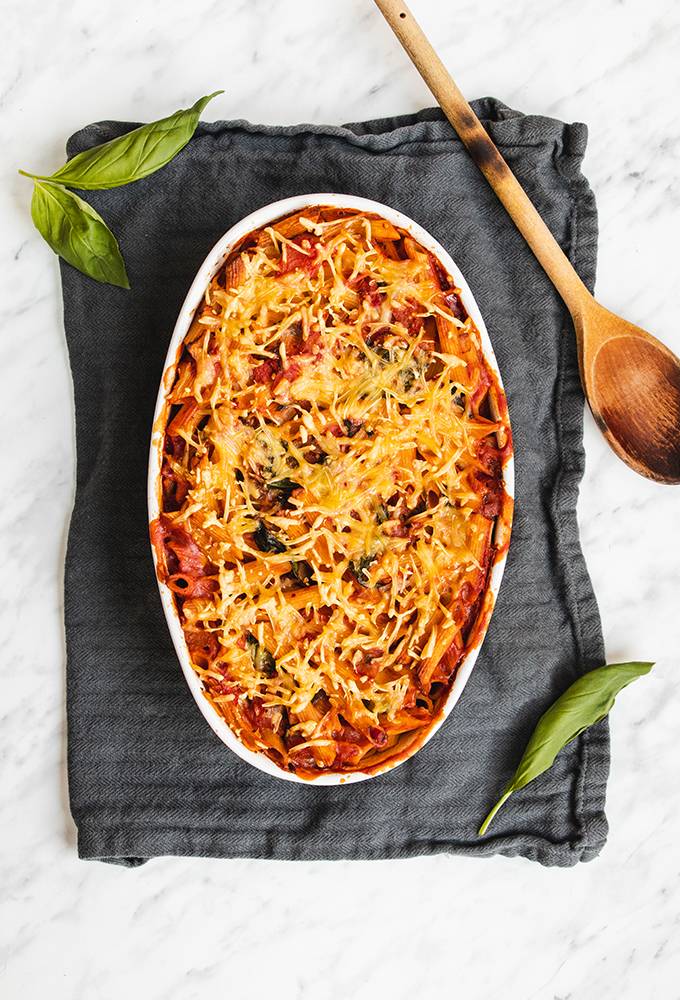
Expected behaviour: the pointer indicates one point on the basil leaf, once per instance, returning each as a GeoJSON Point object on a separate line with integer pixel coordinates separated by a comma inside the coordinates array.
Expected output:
{"type": "Point", "coordinates": [284, 485]}
{"type": "Point", "coordinates": [77, 233]}
{"type": "Point", "coordinates": [359, 567]}
{"type": "Point", "coordinates": [260, 655]}
{"type": "Point", "coordinates": [283, 489]}
{"type": "Point", "coordinates": [135, 155]}
{"type": "Point", "coordinates": [302, 571]}
{"type": "Point", "coordinates": [583, 704]}
{"type": "Point", "coordinates": [266, 540]}
{"type": "Point", "coordinates": [381, 514]}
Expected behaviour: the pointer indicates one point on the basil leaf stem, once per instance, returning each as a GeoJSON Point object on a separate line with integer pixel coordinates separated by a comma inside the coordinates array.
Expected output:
{"type": "Point", "coordinates": [587, 701]}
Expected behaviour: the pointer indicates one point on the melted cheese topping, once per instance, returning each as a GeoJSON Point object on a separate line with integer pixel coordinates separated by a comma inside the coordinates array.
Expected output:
{"type": "Point", "coordinates": [332, 472]}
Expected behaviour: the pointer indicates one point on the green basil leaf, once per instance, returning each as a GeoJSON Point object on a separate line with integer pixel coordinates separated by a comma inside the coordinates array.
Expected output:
{"type": "Point", "coordinates": [77, 233]}
{"type": "Point", "coordinates": [583, 704]}
{"type": "Point", "coordinates": [260, 655]}
{"type": "Point", "coordinates": [266, 540]}
{"type": "Point", "coordinates": [283, 489]}
{"type": "Point", "coordinates": [359, 568]}
{"type": "Point", "coordinates": [284, 485]}
{"type": "Point", "coordinates": [302, 571]}
{"type": "Point", "coordinates": [135, 155]}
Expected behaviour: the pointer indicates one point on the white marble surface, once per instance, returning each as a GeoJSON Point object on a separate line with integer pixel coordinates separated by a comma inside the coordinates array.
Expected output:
{"type": "Point", "coordinates": [434, 927]}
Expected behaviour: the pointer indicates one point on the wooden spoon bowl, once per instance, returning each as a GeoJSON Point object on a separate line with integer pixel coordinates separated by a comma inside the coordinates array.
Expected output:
{"type": "Point", "coordinates": [631, 380]}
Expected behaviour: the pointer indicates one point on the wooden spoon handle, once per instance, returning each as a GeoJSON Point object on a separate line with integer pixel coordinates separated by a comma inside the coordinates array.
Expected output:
{"type": "Point", "coordinates": [486, 156]}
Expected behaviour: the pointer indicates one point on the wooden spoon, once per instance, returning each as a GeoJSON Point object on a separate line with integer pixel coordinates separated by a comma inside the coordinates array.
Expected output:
{"type": "Point", "coordinates": [631, 380]}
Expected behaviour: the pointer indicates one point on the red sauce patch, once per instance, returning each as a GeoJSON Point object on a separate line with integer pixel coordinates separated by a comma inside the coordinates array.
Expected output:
{"type": "Point", "coordinates": [490, 457]}
{"type": "Point", "coordinates": [440, 276]}
{"type": "Point", "coordinates": [483, 386]}
{"type": "Point", "coordinates": [367, 289]}
{"type": "Point", "coordinates": [377, 736]}
{"type": "Point", "coordinates": [452, 300]}
{"type": "Point", "coordinates": [175, 488]}
{"type": "Point", "coordinates": [290, 372]}
{"type": "Point", "coordinates": [492, 496]}
{"type": "Point", "coordinates": [306, 258]}
{"type": "Point", "coordinates": [182, 565]}
{"type": "Point", "coordinates": [406, 315]}
{"type": "Point", "coordinates": [265, 373]}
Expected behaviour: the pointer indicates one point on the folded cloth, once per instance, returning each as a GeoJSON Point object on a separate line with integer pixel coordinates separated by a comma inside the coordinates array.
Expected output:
{"type": "Point", "coordinates": [147, 776]}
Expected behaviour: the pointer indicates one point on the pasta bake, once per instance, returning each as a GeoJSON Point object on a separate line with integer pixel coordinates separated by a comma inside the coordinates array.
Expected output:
{"type": "Point", "coordinates": [331, 490]}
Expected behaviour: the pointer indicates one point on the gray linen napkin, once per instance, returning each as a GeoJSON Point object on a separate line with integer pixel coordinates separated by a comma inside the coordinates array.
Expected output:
{"type": "Point", "coordinates": [147, 776]}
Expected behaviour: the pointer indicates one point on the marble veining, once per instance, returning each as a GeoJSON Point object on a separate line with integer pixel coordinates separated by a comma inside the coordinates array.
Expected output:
{"type": "Point", "coordinates": [431, 927]}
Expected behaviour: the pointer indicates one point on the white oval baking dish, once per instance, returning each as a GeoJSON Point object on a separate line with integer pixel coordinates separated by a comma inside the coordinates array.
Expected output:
{"type": "Point", "coordinates": [264, 216]}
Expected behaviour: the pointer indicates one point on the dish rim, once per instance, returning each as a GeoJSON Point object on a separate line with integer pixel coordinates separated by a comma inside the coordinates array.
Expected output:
{"type": "Point", "coordinates": [263, 216]}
